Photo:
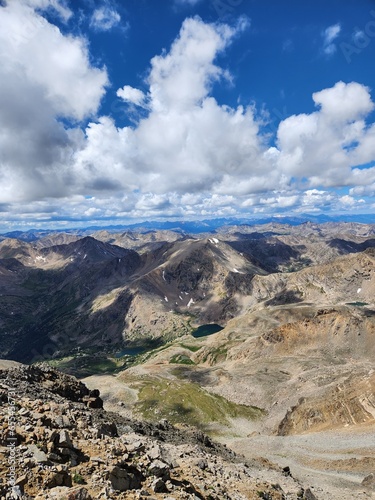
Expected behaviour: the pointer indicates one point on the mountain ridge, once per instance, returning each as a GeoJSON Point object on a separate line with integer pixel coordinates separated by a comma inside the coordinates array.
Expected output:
{"type": "Point", "coordinates": [294, 306]}
{"type": "Point", "coordinates": [163, 289]}
{"type": "Point", "coordinates": [199, 226]}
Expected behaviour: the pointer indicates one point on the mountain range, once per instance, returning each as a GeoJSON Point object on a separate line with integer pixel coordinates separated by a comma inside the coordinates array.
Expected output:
{"type": "Point", "coordinates": [114, 289]}
{"type": "Point", "coordinates": [196, 226]}
{"type": "Point", "coordinates": [290, 365]}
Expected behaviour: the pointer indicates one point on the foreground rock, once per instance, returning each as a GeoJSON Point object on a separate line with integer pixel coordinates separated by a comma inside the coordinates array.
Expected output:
{"type": "Point", "coordinates": [54, 446]}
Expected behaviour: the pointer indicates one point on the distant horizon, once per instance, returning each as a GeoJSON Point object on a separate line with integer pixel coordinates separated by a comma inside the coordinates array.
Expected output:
{"type": "Point", "coordinates": [216, 222]}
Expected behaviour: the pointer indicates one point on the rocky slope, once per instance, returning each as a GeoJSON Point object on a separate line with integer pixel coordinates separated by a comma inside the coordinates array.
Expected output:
{"type": "Point", "coordinates": [286, 361]}
{"type": "Point", "coordinates": [142, 242]}
{"type": "Point", "coordinates": [293, 365]}
{"type": "Point", "coordinates": [309, 368]}
{"type": "Point", "coordinates": [285, 248]}
{"type": "Point", "coordinates": [57, 442]}
{"type": "Point", "coordinates": [89, 293]}
{"type": "Point", "coordinates": [350, 278]}
{"type": "Point", "coordinates": [46, 297]}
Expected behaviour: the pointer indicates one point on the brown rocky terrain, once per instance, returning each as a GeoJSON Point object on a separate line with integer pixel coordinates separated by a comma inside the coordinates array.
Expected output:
{"type": "Point", "coordinates": [140, 241]}
{"type": "Point", "coordinates": [92, 293]}
{"type": "Point", "coordinates": [62, 289]}
{"type": "Point", "coordinates": [349, 278]}
{"type": "Point", "coordinates": [56, 442]}
{"type": "Point", "coordinates": [289, 378]}
{"type": "Point", "coordinates": [283, 247]}
{"type": "Point", "coordinates": [309, 368]}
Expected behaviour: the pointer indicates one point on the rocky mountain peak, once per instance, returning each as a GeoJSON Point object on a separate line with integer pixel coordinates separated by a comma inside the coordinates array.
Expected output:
{"type": "Point", "coordinates": [58, 445]}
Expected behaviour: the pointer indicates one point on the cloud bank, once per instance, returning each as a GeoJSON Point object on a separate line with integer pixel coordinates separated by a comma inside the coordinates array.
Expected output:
{"type": "Point", "coordinates": [186, 155]}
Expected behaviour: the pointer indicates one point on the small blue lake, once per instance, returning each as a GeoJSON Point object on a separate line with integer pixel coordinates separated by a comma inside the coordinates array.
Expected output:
{"type": "Point", "coordinates": [205, 330]}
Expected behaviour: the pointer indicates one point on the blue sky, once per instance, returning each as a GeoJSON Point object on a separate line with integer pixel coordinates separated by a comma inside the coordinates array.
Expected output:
{"type": "Point", "coordinates": [117, 111]}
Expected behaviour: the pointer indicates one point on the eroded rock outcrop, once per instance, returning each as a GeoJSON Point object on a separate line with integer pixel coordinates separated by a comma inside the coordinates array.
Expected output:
{"type": "Point", "coordinates": [350, 403]}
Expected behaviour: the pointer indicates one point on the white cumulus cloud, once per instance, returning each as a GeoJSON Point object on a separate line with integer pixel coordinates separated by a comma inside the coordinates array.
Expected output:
{"type": "Point", "coordinates": [324, 146]}
{"type": "Point", "coordinates": [44, 76]}
{"type": "Point", "coordinates": [187, 155]}
{"type": "Point", "coordinates": [188, 142]}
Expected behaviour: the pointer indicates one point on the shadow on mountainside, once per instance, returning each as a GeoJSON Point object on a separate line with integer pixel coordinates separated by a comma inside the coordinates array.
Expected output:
{"type": "Point", "coordinates": [347, 246]}
{"type": "Point", "coordinates": [268, 253]}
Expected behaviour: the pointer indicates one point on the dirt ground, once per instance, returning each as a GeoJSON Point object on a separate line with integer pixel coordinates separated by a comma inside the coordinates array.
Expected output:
{"type": "Point", "coordinates": [332, 463]}
{"type": "Point", "coordinates": [6, 364]}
